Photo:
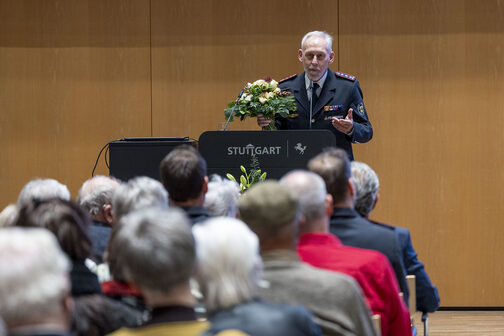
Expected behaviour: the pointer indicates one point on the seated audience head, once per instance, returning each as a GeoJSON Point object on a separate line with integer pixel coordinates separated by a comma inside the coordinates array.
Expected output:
{"type": "Point", "coordinates": [41, 190]}
{"type": "Point", "coordinates": [67, 221]}
{"type": "Point", "coordinates": [184, 174]}
{"type": "Point", "coordinates": [8, 215]}
{"type": "Point", "coordinates": [138, 193]}
{"type": "Point", "coordinates": [229, 265]}
{"type": "Point", "coordinates": [221, 198]}
{"type": "Point", "coordinates": [315, 203]}
{"type": "Point", "coordinates": [271, 211]}
{"type": "Point", "coordinates": [95, 196]}
{"type": "Point", "coordinates": [155, 249]}
{"type": "Point", "coordinates": [334, 168]}
{"type": "Point", "coordinates": [366, 188]}
{"type": "Point", "coordinates": [34, 285]}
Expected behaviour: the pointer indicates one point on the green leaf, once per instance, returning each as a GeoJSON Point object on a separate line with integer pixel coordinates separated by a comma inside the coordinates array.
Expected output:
{"type": "Point", "coordinates": [263, 177]}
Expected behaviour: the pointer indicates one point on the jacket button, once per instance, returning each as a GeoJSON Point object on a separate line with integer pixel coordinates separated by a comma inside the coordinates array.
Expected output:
{"type": "Point", "coordinates": [313, 120]}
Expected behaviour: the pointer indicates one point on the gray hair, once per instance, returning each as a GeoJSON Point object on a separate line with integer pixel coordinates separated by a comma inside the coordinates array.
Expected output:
{"type": "Point", "coordinates": [310, 189]}
{"type": "Point", "coordinates": [221, 198]}
{"type": "Point", "coordinates": [96, 193]}
{"type": "Point", "coordinates": [8, 215]}
{"type": "Point", "coordinates": [229, 265]}
{"type": "Point", "coordinates": [41, 190]}
{"type": "Point", "coordinates": [34, 276]}
{"type": "Point", "coordinates": [138, 193]}
{"type": "Point", "coordinates": [321, 34]}
{"type": "Point", "coordinates": [366, 185]}
{"type": "Point", "coordinates": [155, 248]}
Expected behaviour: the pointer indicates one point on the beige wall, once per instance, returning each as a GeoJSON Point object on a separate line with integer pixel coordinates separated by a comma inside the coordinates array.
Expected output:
{"type": "Point", "coordinates": [77, 74]}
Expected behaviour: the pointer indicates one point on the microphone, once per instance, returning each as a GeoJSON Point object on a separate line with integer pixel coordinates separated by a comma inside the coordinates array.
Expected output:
{"type": "Point", "coordinates": [311, 102]}
{"type": "Point", "coordinates": [231, 114]}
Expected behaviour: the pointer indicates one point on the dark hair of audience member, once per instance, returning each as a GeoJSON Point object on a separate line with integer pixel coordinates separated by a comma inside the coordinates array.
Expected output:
{"type": "Point", "coordinates": [67, 221]}
{"type": "Point", "coordinates": [183, 172]}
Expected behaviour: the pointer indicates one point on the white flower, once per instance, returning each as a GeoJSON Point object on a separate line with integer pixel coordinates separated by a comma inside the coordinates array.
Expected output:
{"type": "Point", "coordinates": [269, 94]}
{"type": "Point", "coordinates": [259, 82]}
{"type": "Point", "coordinates": [263, 100]}
{"type": "Point", "coordinates": [274, 84]}
{"type": "Point", "coordinates": [277, 90]}
{"type": "Point", "coordinates": [248, 98]}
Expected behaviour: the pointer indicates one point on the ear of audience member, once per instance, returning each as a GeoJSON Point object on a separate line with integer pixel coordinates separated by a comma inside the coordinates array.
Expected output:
{"type": "Point", "coordinates": [34, 286]}
{"type": "Point", "coordinates": [321, 249]}
{"type": "Point", "coordinates": [41, 190]}
{"type": "Point", "coordinates": [272, 212]}
{"type": "Point", "coordinates": [229, 271]}
{"type": "Point", "coordinates": [221, 198]}
{"type": "Point", "coordinates": [95, 197]}
{"type": "Point", "coordinates": [157, 250]}
{"type": "Point", "coordinates": [184, 174]}
{"type": "Point", "coordinates": [69, 223]}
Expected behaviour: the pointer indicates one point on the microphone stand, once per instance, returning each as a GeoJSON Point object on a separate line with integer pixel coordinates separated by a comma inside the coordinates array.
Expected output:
{"type": "Point", "coordinates": [311, 103]}
{"type": "Point", "coordinates": [231, 114]}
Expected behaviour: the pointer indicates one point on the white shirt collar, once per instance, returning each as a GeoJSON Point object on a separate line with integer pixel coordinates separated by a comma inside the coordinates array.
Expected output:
{"type": "Point", "coordinates": [320, 82]}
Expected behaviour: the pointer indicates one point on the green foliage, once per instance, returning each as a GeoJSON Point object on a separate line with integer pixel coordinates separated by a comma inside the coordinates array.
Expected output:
{"type": "Point", "coordinates": [254, 175]}
{"type": "Point", "coordinates": [264, 98]}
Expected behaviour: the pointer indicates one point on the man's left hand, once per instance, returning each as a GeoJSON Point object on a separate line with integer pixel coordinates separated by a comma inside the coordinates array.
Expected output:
{"type": "Point", "coordinates": [344, 125]}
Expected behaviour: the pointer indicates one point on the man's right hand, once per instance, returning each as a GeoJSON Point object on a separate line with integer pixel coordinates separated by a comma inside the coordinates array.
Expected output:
{"type": "Point", "coordinates": [261, 121]}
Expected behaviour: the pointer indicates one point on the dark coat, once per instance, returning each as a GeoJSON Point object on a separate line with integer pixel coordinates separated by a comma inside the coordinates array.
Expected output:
{"type": "Point", "coordinates": [339, 93]}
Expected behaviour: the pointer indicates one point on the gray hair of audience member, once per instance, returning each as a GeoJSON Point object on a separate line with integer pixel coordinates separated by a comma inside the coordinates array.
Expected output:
{"type": "Point", "coordinates": [34, 277]}
{"type": "Point", "coordinates": [270, 210]}
{"type": "Point", "coordinates": [8, 215]}
{"type": "Point", "coordinates": [96, 193]}
{"type": "Point", "coordinates": [138, 193]}
{"type": "Point", "coordinates": [221, 198]}
{"type": "Point", "coordinates": [366, 185]}
{"type": "Point", "coordinates": [41, 190]}
{"type": "Point", "coordinates": [311, 191]}
{"type": "Point", "coordinates": [155, 248]}
{"type": "Point", "coordinates": [321, 34]}
{"type": "Point", "coordinates": [229, 264]}
{"type": "Point", "coordinates": [334, 168]}
{"type": "Point", "coordinates": [65, 219]}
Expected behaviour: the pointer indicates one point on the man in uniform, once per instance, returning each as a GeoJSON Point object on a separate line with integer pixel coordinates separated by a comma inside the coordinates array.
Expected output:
{"type": "Point", "coordinates": [337, 104]}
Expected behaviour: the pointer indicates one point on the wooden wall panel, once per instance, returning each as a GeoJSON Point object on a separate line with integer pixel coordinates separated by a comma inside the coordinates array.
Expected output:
{"type": "Point", "coordinates": [73, 76]}
{"type": "Point", "coordinates": [203, 53]}
{"type": "Point", "coordinates": [432, 74]}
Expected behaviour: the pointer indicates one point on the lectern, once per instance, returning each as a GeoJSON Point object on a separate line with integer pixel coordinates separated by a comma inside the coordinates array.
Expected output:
{"type": "Point", "coordinates": [277, 151]}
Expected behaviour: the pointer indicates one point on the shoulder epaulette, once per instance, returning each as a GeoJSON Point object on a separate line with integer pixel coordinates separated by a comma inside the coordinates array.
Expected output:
{"type": "Point", "coordinates": [344, 75]}
{"type": "Point", "coordinates": [286, 78]}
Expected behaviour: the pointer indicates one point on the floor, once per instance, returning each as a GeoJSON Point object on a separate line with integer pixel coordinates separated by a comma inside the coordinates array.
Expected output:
{"type": "Point", "coordinates": [481, 323]}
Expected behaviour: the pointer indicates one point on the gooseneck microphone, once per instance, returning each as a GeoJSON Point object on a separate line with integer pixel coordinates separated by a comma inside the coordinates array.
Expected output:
{"type": "Point", "coordinates": [232, 112]}
{"type": "Point", "coordinates": [311, 102]}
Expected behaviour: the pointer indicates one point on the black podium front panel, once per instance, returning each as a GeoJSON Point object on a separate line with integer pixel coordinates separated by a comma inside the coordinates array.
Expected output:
{"type": "Point", "coordinates": [277, 151]}
{"type": "Point", "coordinates": [132, 157]}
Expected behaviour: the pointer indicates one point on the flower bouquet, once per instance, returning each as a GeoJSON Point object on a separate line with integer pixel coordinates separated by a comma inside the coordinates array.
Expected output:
{"type": "Point", "coordinates": [261, 97]}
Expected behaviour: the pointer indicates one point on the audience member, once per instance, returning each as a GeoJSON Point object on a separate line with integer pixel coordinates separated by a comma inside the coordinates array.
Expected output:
{"type": "Point", "coordinates": [95, 197]}
{"type": "Point", "coordinates": [229, 270]}
{"type": "Point", "coordinates": [367, 186]}
{"type": "Point", "coordinates": [157, 250]}
{"type": "Point", "coordinates": [321, 249]}
{"type": "Point", "coordinates": [41, 190]}
{"type": "Point", "coordinates": [34, 287]}
{"type": "Point", "coordinates": [69, 223]}
{"type": "Point", "coordinates": [221, 198]}
{"type": "Point", "coordinates": [346, 223]}
{"type": "Point", "coordinates": [184, 174]}
{"type": "Point", "coordinates": [272, 212]}
{"type": "Point", "coordinates": [8, 216]}
{"type": "Point", "coordinates": [138, 193]}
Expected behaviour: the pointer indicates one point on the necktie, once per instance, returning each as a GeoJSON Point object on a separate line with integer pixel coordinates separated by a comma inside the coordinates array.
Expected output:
{"type": "Point", "coordinates": [314, 94]}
